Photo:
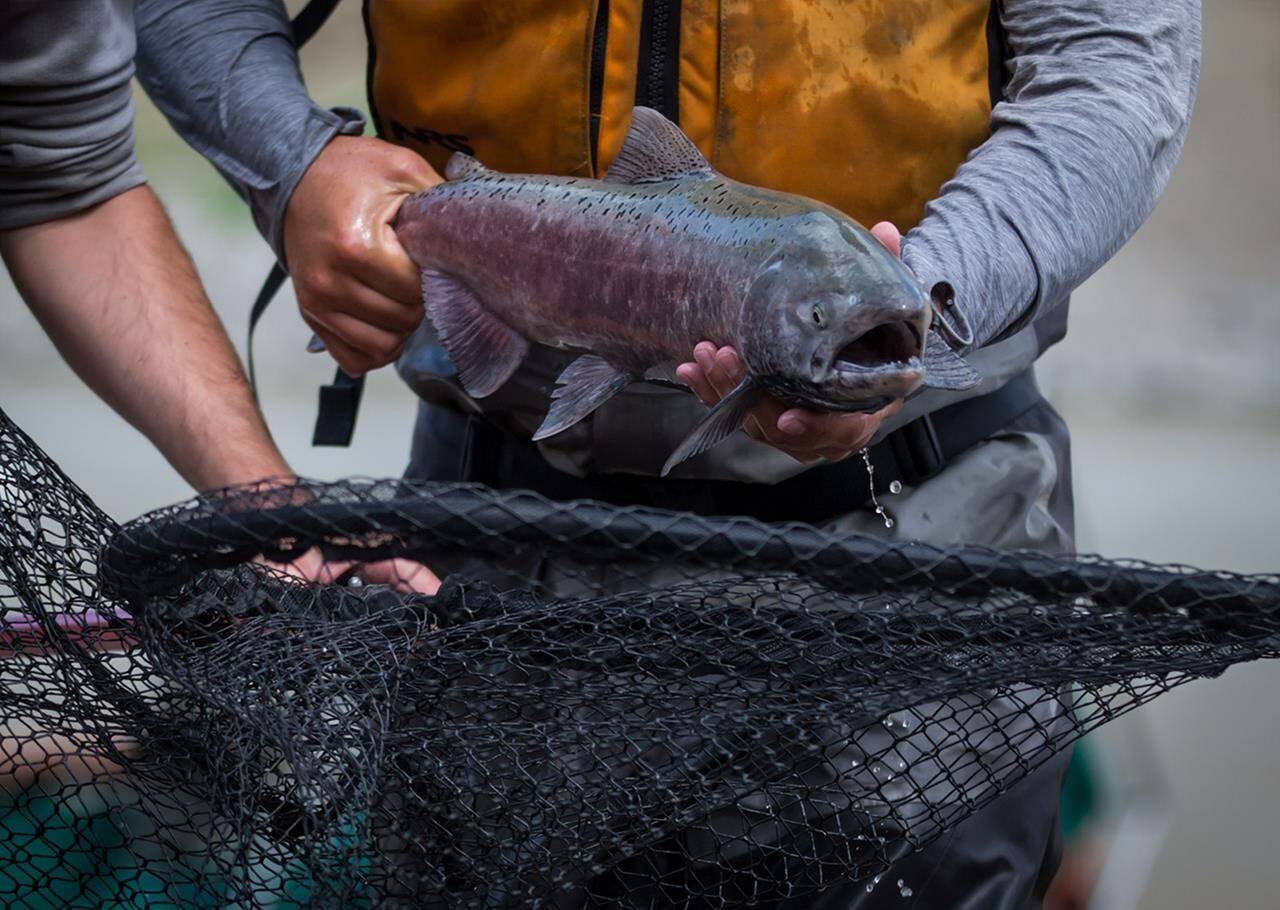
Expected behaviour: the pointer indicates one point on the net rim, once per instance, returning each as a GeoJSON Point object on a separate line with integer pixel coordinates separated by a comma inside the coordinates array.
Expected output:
{"type": "Point", "coordinates": [366, 519]}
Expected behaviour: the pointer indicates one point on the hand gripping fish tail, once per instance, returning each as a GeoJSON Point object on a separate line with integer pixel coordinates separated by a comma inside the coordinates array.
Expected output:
{"type": "Point", "coordinates": [634, 270]}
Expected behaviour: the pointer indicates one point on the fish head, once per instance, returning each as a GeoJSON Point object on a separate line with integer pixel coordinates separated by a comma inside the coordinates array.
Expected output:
{"type": "Point", "coordinates": [833, 320]}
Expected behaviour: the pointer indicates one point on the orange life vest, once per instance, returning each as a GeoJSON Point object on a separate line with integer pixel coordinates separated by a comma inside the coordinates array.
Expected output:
{"type": "Point", "coordinates": [868, 105]}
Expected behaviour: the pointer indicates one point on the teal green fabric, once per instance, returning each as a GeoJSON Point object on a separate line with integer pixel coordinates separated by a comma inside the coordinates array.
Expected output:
{"type": "Point", "coordinates": [58, 858]}
{"type": "Point", "coordinates": [1081, 791]}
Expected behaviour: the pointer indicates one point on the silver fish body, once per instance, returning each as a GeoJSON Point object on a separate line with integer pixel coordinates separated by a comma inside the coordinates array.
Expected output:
{"type": "Point", "coordinates": [636, 269]}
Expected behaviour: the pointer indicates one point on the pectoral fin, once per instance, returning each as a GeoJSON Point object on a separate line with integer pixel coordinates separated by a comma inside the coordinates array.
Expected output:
{"type": "Point", "coordinates": [483, 348]}
{"type": "Point", "coordinates": [584, 385]}
{"type": "Point", "coordinates": [721, 422]}
{"type": "Point", "coordinates": [943, 368]}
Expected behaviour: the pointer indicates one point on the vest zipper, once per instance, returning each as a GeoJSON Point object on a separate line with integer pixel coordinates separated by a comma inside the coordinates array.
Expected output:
{"type": "Point", "coordinates": [658, 81]}
{"type": "Point", "coordinates": [997, 53]}
{"type": "Point", "coordinates": [599, 41]}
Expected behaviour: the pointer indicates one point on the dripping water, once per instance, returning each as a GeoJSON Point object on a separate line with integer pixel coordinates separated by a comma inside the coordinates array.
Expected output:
{"type": "Point", "coordinates": [894, 487]}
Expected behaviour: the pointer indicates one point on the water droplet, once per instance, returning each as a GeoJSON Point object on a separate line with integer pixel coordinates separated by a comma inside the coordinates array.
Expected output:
{"type": "Point", "coordinates": [897, 722]}
{"type": "Point", "coordinates": [903, 889]}
{"type": "Point", "coordinates": [871, 885]}
{"type": "Point", "coordinates": [871, 485]}
{"type": "Point", "coordinates": [895, 487]}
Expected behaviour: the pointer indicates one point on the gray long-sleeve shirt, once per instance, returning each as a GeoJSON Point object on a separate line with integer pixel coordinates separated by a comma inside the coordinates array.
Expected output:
{"type": "Point", "coordinates": [1097, 104]}
{"type": "Point", "coordinates": [66, 108]}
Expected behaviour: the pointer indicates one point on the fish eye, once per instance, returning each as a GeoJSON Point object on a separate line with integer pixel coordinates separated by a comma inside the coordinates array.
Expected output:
{"type": "Point", "coordinates": [819, 314]}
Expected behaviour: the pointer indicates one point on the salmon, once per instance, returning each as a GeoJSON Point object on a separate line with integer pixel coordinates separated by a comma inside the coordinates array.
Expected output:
{"type": "Point", "coordinates": [635, 269]}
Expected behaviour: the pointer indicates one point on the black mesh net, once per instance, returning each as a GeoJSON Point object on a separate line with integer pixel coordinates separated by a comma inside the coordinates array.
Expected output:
{"type": "Point", "coordinates": [601, 707]}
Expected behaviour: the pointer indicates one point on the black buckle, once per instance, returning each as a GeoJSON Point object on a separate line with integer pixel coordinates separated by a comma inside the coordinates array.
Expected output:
{"type": "Point", "coordinates": [917, 450]}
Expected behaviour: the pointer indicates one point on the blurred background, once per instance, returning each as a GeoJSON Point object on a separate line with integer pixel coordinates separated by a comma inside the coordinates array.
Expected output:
{"type": "Point", "coordinates": [1169, 378]}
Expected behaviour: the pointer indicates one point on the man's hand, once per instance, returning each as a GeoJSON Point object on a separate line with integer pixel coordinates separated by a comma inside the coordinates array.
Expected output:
{"type": "Point", "coordinates": [403, 575]}
{"type": "Point", "coordinates": [805, 435]}
{"type": "Point", "coordinates": [357, 288]}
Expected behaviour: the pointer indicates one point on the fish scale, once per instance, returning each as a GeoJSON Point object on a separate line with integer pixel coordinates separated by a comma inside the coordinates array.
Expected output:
{"type": "Point", "coordinates": [634, 270]}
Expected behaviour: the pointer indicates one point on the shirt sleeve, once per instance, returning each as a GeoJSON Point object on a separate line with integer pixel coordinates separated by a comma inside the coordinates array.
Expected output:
{"type": "Point", "coordinates": [1097, 104]}
{"type": "Point", "coordinates": [225, 73]}
{"type": "Point", "coordinates": [66, 108]}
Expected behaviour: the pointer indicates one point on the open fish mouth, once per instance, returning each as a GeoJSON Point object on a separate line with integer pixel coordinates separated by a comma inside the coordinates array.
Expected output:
{"type": "Point", "coordinates": [893, 345]}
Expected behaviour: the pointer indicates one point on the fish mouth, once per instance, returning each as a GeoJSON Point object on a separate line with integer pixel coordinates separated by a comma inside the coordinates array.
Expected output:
{"type": "Point", "coordinates": [892, 345]}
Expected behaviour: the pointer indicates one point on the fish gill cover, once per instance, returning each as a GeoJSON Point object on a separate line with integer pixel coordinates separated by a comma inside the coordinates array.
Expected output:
{"type": "Point", "coordinates": [601, 706]}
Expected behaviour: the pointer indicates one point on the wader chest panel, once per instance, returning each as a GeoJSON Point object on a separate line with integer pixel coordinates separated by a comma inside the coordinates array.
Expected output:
{"type": "Point", "coordinates": [865, 105]}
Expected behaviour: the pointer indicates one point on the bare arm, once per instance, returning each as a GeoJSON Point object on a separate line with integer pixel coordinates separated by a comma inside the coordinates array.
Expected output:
{"type": "Point", "coordinates": [120, 298]}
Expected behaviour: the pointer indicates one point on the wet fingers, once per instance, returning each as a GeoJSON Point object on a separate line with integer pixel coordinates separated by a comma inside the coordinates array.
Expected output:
{"type": "Point", "coordinates": [693, 376]}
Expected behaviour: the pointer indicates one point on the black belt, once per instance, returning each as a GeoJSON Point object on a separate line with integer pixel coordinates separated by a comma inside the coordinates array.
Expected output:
{"type": "Point", "coordinates": [910, 454]}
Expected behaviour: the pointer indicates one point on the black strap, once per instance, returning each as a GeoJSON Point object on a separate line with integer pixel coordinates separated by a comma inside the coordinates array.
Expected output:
{"type": "Point", "coordinates": [339, 407]}
{"type": "Point", "coordinates": [270, 287]}
{"type": "Point", "coordinates": [339, 402]}
{"type": "Point", "coordinates": [921, 449]}
{"type": "Point", "coordinates": [309, 19]}
{"type": "Point", "coordinates": [911, 455]}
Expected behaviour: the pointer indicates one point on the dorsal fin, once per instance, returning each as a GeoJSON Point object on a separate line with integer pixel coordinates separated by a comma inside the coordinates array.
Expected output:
{"type": "Point", "coordinates": [655, 149]}
{"type": "Point", "coordinates": [461, 166]}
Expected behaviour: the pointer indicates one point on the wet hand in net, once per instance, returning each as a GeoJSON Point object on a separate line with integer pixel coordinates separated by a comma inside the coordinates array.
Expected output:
{"type": "Point", "coordinates": [403, 575]}
{"type": "Point", "coordinates": [313, 566]}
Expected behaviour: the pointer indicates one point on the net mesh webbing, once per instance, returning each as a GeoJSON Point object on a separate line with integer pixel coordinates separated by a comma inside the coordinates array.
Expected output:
{"type": "Point", "coordinates": [602, 706]}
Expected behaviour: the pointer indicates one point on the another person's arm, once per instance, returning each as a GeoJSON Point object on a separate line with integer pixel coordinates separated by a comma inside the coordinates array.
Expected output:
{"type": "Point", "coordinates": [120, 298]}
{"type": "Point", "coordinates": [95, 257]}
{"type": "Point", "coordinates": [226, 74]}
{"type": "Point", "coordinates": [93, 254]}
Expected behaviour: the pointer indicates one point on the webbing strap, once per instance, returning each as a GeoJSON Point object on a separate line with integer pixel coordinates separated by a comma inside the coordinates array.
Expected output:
{"type": "Point", "coordinates": [270, 287]}
{"type": "Point", "coordinates": [339, 407]}
{"type": "Point", "coordinates": [309, 19]}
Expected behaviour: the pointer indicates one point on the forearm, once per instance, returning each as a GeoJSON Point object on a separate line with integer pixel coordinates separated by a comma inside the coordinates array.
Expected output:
{"type": "Point", "coordinates": [120, 298]}
{"type": "Point", "coordinates": [225, 73]}
{"type": "Point", "coordinates": [1098, 104]}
